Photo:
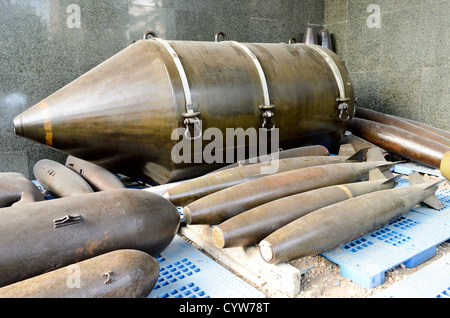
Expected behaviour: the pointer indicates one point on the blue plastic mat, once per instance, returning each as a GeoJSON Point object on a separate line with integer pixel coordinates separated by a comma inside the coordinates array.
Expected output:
{"type": "Point", "coordinates": [185, 272]}
{"type": "Point", "coordinates": [410, 240]}
{"type": "Point", "coordinates": [432, 281]}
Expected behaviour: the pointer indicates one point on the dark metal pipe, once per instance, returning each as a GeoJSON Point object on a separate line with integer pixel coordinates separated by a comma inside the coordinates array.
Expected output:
{"type": "Point", "coordinates": [400, 142]}
{"type": "Point", "coordinates": [400, 123]}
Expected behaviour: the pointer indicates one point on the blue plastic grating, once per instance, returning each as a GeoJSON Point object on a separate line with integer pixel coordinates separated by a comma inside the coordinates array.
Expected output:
{"type": "Point", "coordinates": [185, 272]}
{"type": "Point", "coordinates": [432, 281]}
{"type": "Point", "coordinates": [410, 240]}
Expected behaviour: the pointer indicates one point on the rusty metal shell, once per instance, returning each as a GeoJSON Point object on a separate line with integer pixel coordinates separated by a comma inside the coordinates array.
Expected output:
{"type": "Point", "coordinates": [401, 142]}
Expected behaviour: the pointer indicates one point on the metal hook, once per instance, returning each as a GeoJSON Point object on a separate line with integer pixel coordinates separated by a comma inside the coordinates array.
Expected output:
{"type": "Point", "coordinates": [265, 122]}
{"type": "Point", "coordinates": [292, 40]}
{"type": "Point", "coordinates": [152, 33]}
{"type": "Point", "coordinates": [196, 122]}
{"type": "Point", "coordinates": [224, 36]}
{"type": "Point", "coordinates": [67, 220]}
{"type": "Point", "coordinates": [344, 108]}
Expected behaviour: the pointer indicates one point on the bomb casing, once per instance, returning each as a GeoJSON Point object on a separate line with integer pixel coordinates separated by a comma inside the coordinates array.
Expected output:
{"type": "Point", "coordinates": [129, 106]}
{"type": "Point", "coordinates": [252, 226]}
{"type": "Point", "coordinates": [16, 189]}
{"type": "Point", "coordinates": [342, 222]}
{"type": "Point", "coordinates": [306, 151]}
{"type": "Point", "coordinates": [60, 232]}
{"type": "Point", "coordinates": [192, 190]}
{"type": "Point", "coordinates": [117, 274]}
{"type": "Point", "coordinates": [224, 204]}
{"type": "Point", "coordinates": [60, 180]}
{"type": "Point", "coordinates": [98, 177]}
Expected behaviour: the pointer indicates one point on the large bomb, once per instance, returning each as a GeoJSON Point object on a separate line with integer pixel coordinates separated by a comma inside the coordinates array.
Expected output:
{"type": "Point", "coordinates": [43, 236]}
{"type": "Point", "coordinates": [123, 114]}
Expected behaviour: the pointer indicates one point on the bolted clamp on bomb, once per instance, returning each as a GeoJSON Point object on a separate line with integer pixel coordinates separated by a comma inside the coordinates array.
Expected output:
{"type": "Point", "coordinates": [268, 114]}
{"type": "Point", "coordinates": [191, 118]}
{"type": "Point", "coordinates": [343, 108]}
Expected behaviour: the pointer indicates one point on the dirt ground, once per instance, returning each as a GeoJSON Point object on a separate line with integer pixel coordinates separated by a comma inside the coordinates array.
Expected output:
{"type": "Point", "coordinates": [323, 280]}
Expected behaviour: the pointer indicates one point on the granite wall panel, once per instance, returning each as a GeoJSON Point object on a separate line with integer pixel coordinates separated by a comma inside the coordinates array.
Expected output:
{"type": "Point", "coordinates": [48, 43]}
{"type": "Point", "coordinates": [402, 67]}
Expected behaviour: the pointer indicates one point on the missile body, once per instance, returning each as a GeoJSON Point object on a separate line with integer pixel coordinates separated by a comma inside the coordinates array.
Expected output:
{"type": "Point", "coordinates": [315, 150]}
{"type": "Point", "coordinates": [400, 123]}
{"type": "Point", "coordinates": [16, 189]}
{"type": "Point", "coordinates": [217, 207]}
{"type": "Point", "coordinates": [60, 180]}
{"type": "Point", "coordinates": [194, 189]}
{"type": "Point", "coordinates": [342, 222]}
{"type": "Point", "coordinates": [250, 227]}
{"type": "Point", "coordinates": [129, 107]}
{"type": "Point", "coordinates": [98, 177]}
{"type": "Point", "coordinates": [44, 236]}
{"type": "Point", "coordinates": [409, 145]}
{"type": "Point", "coordinates": [117, 274]}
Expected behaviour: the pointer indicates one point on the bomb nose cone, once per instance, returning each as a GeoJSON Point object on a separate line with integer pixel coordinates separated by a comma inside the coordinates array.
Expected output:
{"type": "Point", "coordinates": [18, 126]}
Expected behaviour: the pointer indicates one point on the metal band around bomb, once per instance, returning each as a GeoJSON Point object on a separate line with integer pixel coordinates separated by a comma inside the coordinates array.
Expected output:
{"type": "Point", "coordinates": [191, 117]}
{"type": "Point", "coordinates": [343, 106]}
{"type": "Point", "coordinates": [267, 108]}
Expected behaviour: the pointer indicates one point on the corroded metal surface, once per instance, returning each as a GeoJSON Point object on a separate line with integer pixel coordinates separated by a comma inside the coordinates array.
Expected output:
{"type": "Point", "coordinates": [401, 123]}
{"type": "Point", "coordinates": [117, 274]}
{"type": "Point", "coordinates": [98, 177]}
{"type": "Point", "coordinates": [342, 222]}
{"type": "Point", "coordinates": [16, 189]}
{"type": "Point", "coordinates": [60, 180]}
{"type": "Point", "coordinates": [44, 236]}
{"type": "Point", "coordinates": [403, 143]}
{"type": "Point", "coordinates": [121, 115]}
{"type": "Point", "coordinates": [222, 205]}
